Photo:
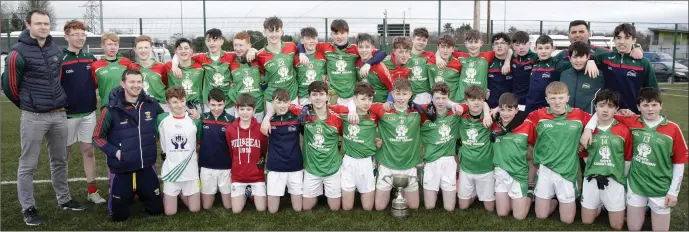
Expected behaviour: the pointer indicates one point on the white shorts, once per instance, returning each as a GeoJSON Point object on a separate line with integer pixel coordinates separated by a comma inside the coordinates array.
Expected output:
{"type": "Point", "coordinates": [550, 183]}
{"type": "Point", "coordinates": [258, 189]}
{"type": "Point", "coordinates": [385, 186]}
{"type": "Point", "coordinates": [348, 102]}
{"type": "Point", "coordinates": [441, 174]}
{"type": "Point", "coordinates": [213, 180]}
{"type": "Point", "coordinates": [187, 188]}
{"type": "Point", "coordinates": [358, 174]}
{"type": "Point", "coordinates": [657, 204]}
{"type": "Point", "coordinates": [612, 197]}
{"type": "Point", "coordinates": [304, 101]}
{"type": "Point", "coordinates": [470, 185]}
{"type": "Point", "coordinates": [422, 98]}
{"type": "Point", "coordinates": [81, 129]}
{"type": "Point", "coordinates": [165, 106]}
{"type": "Point", "coordinates": [277, 181]}
{"type": "Point", "coordinates": [314, 185]}
{"type": "Point", "coordinates": [504, 183]}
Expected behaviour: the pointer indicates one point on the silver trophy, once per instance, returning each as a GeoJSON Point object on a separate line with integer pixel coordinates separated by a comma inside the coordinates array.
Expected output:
{"type": "Point", "coordinates": [399, 204]}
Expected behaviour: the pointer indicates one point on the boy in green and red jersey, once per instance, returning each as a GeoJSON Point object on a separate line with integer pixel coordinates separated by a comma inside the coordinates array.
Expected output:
{"type": "Point", "coordinates": [359, 147]}
{"type": "Point", "coordinates": [322, 161]}
{"type": "Point", "coordinates": [276, 62]}
{"type": "Point", "coordinates": [404, 64]}
{"type": "Point", "coordinates": [659, 156]}
{"type": "Point", "coordinates": [439, 137]}
{"type": "Point", "coordinates": [315, 70]}
{"type": "Point", "coordinates": [607, 164]}
{"type": "Point", "coordinates": [341, 57]}
{"type": "Point", "coordinates": [623, 73]}
{"type": "Point", "coordinates": [192, 74]}
{"type": "Point", "coordinates": [420, 62]}
{"type": "Point", "coordinates": [155, 77]}
{"type": "Point", "coordinates": [400, 152]}
{"type": "Point", "coordinates": [246, 75]}
{"type": "Point", "coordinates": [450, 73]}
{"type": "Point", "coordinates": [475, 155]}
{"type": "Point", "coordinates": [108, 70]}
{"type": "Point", "coordinates": [474, 64]}
{"type": "Point", "coordinates": [510, 152]}
{"type": "Point", "coordinates": [558, 127]}
{"type": "Point", "coordinates": [378, 75]}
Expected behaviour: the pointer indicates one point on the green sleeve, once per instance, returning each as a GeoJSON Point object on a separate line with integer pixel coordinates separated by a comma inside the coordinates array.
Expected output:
{"type": "Point", "coordinates": [560, 55]}
{"type": "Point", "coordinates": [432, 73]}
{"type": "Point", "coordinates": [12, 76]}
{"type": "Point", "coordinates": [650, 77]}
{"type": "Point", "coordinates": [199, 130]}
{"type": "Point", "coordinates": [561, 64]}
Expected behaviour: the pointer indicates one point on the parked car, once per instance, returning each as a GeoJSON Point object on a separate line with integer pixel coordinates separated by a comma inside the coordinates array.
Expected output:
{"type": "Point", "coordinates": [662, 70]}
{"type": "Point", "coordinates": [658, 56]}
{"type": "Point", "coordinates": [684, 62]}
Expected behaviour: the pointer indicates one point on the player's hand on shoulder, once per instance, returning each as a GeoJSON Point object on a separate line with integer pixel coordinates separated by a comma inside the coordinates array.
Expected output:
{"type": "Point", "coordinates": [303, 59]}
{"type": "Point", "coordinates": [363, 72]}
{"type": "Point", "coordinates": [251, 54]}
{"type": "Point", "coordinates": [585, 139]}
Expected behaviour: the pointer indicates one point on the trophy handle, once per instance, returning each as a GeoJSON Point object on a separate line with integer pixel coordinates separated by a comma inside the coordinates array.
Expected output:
{"type": "Point", "coordinates": [415, 179]}
{"type": "Point", "coordinates": [386, 181]}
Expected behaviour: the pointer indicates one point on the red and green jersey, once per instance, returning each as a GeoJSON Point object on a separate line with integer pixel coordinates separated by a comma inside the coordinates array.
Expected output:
{"type": "Point", "coordinates": [321, 157]}
{"type": "Point", "coordinates": [108, 75]}
{"type": "Point", "coordinates": [557, 140]}
{"type": "Point", "coordinates": [608, 151]}
{"type": "Point", "coordinates": [416, 70]}
{"type": "Point", "coordinates": [400, 134]}
{"type": "Point", "coordinates": [510, 149]}
{"type": "Point", "coordinates": [358, 140]}
{"type": "Point", "coordinates": [378, 78]}
{"type": "Point", "coordinates": [306, 74]}
{"type": "Point", "coordinates": [439, 137]}
{"type": "Point", "coordinates": [475, 154]}
{"type": "Point", "coordinates": [449, 75]}
{"type": "Point", "coordinates": [246, 78]}
{"type": "Point", "coordinates": [216, 74]}
{"type": "Point", "coordinates": [655, 150]}
{"type": "Point", "coordinates": [191, 81]}
{"type": "Point", "coordinates": [340, 67]}
{"type": "Point", "coordinates": [278, 69]}
{"type": "Point", "coordinates": [474, 71]}
{"type": "Point", "coordinates": [155, 80]}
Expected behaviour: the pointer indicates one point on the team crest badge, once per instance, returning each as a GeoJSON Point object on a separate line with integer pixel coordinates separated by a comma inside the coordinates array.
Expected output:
{"type": "Point", "coordinates": [148, 115]}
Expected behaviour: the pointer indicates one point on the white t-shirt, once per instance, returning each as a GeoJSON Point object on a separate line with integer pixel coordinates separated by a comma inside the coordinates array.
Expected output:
{"type": "Point", "coordinates": [178, 138]}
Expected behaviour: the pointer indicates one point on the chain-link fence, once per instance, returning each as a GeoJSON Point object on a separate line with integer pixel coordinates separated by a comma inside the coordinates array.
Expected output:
{"type": "Point", "coordinates": [667, 38]}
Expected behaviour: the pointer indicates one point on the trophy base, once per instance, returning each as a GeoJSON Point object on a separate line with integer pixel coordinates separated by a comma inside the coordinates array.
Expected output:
{"type": "Point", "coordinates": [400, 213]}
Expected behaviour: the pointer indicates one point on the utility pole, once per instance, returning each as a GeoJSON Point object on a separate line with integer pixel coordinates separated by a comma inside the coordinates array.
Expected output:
{"type": "Point", "coordinates": [477, 15]}
{"type": "Point", "coordinates": [181, 18]}
{"type": "Point", "coordinates": [404, 24]}
{"type": "Point", "coordinates": [101, 16]}
{"type": "Point", "coordinates": [204, 16]}
{"type": "Point", "coordinates": [439, 31]}
{"type": "Point", "coordinates": [488, 29]}
{"type": "Point", "coordinates": [504, 18]}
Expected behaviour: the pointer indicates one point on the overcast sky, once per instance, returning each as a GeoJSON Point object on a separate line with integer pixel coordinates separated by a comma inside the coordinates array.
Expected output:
{"type": "Point", "coordinates": [455, 12]}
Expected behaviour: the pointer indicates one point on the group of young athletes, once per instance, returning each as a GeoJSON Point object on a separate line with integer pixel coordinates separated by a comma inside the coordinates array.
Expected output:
{"type": "Point", "coordinates": [505, 126]}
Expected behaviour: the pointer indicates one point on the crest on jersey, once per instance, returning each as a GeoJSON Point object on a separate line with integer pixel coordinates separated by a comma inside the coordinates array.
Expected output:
{"type": "Point", "coordinates": [416, 71]}
{"type": "Point", "coordinates": [187, 84]}
{"type": "Point", "coordinates": [586, 86]}
{"type": "Point", "coordinates": [217, 79]}
{"type": "Point", "coordinates": [248, 82]}
{"type": "Point", "coordinates": [401, 131]}
{"type": "Point", "coordinates": [283, 72]}
{"type": "Point", "coordinates": [353, 130]}
{"type": "Point", "coordinates": [148, 116]}
{"type": "Point", "coordinates": [604, 152]}
{"type": "Point", "coordinates": [471, 72]}
{"type": "Point", "coordinates": [472, 133]}
{"type": "Point", "coordinates": [310, 76]}
{"type": "Point", "coordinates": [546, 75]}
{"type": "Point", "coordinates": [179, 141]}
{"type": "Point", "coordinates": [444, 130]}
{"type": "Point", "coordinates": [318, 140]}
{"type": "Point", "coordinates": [643, 150]}
{"type": "Point", "coordinates": [341, 65]}
{"type": "Point", "coordinates": [631, 73]}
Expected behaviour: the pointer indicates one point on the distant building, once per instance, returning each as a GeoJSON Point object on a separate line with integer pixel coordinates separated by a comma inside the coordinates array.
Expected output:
{"type": "Point", "coordinates": [662, 41]}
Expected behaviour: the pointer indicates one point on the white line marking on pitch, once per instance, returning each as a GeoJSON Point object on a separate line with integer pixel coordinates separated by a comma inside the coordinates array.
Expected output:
{"type": "Point", "coordinates": [665, 94]}
{"type": "Point", "coordinates": [49, 181]}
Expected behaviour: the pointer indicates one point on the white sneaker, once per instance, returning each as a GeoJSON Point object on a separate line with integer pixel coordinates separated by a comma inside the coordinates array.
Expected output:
{"type": "Point", "coordinates": [96, 198]}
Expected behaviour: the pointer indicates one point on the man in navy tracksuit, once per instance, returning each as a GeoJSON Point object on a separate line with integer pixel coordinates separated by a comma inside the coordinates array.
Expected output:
{"type": "Point", "coordinates": [214, 155]}
{"type": "Point", "coordinates": [125, 132]}
{"type": "Point", "coordinates": [285, 162]}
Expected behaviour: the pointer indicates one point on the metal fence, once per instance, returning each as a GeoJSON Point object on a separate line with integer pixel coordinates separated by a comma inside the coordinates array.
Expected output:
{"type": "Point", "coordinates": [166, 30]}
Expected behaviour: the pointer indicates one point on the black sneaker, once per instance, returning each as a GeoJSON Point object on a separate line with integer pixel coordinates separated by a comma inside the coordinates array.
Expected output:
{"type": "Point", "coordinates": [72, 205]}
{"type": "Point", "coordinates": [31, 217]}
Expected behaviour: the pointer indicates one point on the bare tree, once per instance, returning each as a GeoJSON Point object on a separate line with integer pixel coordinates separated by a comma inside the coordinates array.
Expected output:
{"type": "Point", "coordinates": [26, 6]}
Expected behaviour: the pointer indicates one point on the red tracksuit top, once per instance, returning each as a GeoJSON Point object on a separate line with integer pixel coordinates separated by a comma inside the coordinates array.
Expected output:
{"type": "Point", "coordinates": [246, 147]}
